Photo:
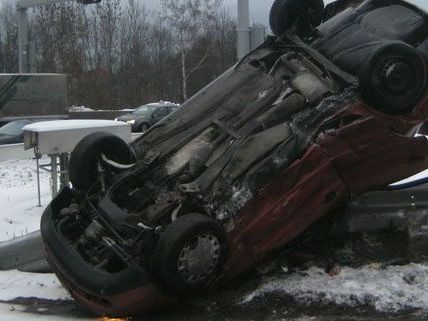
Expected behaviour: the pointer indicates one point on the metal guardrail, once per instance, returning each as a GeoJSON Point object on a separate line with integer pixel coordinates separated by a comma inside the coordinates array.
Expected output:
{"type": "Point", "coordinates": [15, 151]}
{"type": "Point", "coordinates": [25, 253]}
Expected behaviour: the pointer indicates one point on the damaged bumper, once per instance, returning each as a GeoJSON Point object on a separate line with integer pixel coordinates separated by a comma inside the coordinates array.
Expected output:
{"type": "Point", "coordinates": [122, 292]}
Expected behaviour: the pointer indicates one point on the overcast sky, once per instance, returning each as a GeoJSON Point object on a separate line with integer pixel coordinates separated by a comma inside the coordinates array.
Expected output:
{"type": "Point", "coordinates": [259, 9]}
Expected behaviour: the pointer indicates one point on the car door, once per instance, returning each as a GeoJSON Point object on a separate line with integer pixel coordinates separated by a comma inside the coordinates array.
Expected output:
{"type": "Point", "coordinates": [158, 114]}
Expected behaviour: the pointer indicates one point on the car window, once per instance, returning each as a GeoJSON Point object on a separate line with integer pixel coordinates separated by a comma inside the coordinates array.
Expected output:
{"type": "Point", "coordinates": [144, 110]}
{"type": "Point", "coordinates": [161, 112]}
{"type": "Point", "coordinates": [13, 128]}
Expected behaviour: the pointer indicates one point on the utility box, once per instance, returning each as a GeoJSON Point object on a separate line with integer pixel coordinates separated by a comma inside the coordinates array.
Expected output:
{"type": "Point", "coordinates": [33, 95]}
{"type": "Point", "coordinates": [62, 136]}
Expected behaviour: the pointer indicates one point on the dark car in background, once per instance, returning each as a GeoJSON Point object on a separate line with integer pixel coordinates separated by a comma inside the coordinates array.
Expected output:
{"type": "Point", "coordinates": [12, 132]}
{"type": "Point", "coordinates": [142, 118]}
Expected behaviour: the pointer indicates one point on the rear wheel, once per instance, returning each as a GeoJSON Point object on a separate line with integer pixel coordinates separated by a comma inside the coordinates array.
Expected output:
{"type": "Point", "coordinates": [394, 78]}
{"type": "Point", "coordinates": [191, 253]}
{"type": "Point", "coordinates": [86, 156]}
{"type": "Point", "coordinates": [285, 13]}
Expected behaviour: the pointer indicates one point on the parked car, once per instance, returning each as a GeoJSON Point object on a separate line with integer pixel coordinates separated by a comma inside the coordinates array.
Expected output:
{"type": "Point", "coordinates": [142, 118]}
{"type": "Point", "coordinates": [320, 113]}
{"type": "Point", "coordinates": [12, 133]}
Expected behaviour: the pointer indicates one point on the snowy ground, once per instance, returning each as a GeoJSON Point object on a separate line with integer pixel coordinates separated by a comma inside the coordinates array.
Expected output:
{"type": "Point", "coordinates": [18, 198]}
{"type": "Point", "coordinates": [389, 290]}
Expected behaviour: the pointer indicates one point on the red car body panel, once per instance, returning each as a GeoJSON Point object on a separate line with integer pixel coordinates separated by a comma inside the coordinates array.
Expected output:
{"type": "Point", "coordinates": [346, 162]}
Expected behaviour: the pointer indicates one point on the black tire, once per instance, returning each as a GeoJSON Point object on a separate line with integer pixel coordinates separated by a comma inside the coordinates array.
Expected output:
{"type": "Point", "coordinates": [394, 78]}
{"type": "Point", "coordinates": [85, 157]}
{"type": "Point", "coordinates": [180, 236]}
{"type": "Point", "coordinates": [144, 127]}
{"type": "Point", "coordinates": [285, 13]}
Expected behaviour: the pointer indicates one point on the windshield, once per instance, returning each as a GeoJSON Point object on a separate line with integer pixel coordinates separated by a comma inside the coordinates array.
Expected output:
{"type": "Point", "coordinates": [13, 128]}
{"type": "Point", "coordinates": [144, 110]}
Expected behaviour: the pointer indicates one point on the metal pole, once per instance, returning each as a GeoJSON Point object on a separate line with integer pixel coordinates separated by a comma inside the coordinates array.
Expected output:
{"type": "Point", "coordinates": [23, 43]}
{"type": "Point", "coordinates": [243, 28]}
{"type": "Point", "coordinates": [36, 153]}
{"type": "Point", "coordinates": [54, 175]}
{"type": "Point", "coordinates": [23, 31]}
{"type": "Point", "coordinates": [32, 58]}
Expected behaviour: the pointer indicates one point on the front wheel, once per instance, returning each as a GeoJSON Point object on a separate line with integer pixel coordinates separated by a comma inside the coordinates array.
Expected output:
{"type": "Point", "coordinates": [86, 156]}
{"type": "Point", "coordinates": [191, 253]}
{"type": "Point", "coordinates": [394, 78]}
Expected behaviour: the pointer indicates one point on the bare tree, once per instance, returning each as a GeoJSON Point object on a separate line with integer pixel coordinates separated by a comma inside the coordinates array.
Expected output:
{"type": "Point", "coordinates": [188, 19]}
{"type": "Point", "coordinates": [120, 55]}
{"type": "Point", "coordinates": [8, 38]}
{"type": "Point", "coordinates": [133, 56]}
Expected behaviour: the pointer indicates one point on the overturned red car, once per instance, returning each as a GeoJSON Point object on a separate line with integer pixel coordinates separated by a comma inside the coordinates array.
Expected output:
{"type": "Point", "coordinates": [325, 110]}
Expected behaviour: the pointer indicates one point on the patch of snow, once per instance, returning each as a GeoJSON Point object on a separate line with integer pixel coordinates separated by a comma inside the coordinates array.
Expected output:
{"type": "Point", "coordinates": [77, 109]}
{"type": "Point", "coordinates": [14, 312]}
{"type": "Point", "coordinates": [391, 289]}
{"type": "Point", "coordinates": [20, 215]}
{"type": "Point", "coordinates": [18, 198]}
{"type": "Point", "coordinates": [15, 284]}
{"type": "Point", "coordinates": [19, 173]}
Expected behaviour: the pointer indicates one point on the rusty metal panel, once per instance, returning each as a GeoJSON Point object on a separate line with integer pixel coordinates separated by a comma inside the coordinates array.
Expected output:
{"type": "Point", "coordinates": [33, 94]}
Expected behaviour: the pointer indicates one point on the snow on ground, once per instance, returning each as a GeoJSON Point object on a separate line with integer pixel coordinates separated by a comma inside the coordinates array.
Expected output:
{"type": "Point", "coordinates": [19, 213]}
{"type": "Point", "coordinates": [15, 284]}
{"type": "Point", "coordinates": [76, 109]}
{"type": "Point", "coordinates": [391, 289]}
{"type": "Point", "coordinates": [13, 312]}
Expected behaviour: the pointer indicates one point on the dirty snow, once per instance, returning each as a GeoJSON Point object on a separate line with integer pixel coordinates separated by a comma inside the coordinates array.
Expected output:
{"type": "Point", "coordinates": [77, 109]}
{"type": "Point", "coordinates": [15, 284]}
{"type": "Point", "coordinates": [19, 215]}
{"type": "Point", "coordinates": [391, 289]}
{"type": "Point", "coordinates": [14, 312]}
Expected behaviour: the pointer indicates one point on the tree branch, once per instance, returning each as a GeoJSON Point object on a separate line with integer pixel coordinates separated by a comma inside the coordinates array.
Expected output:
{"type": "Point", "coordinates": [197, 66]}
